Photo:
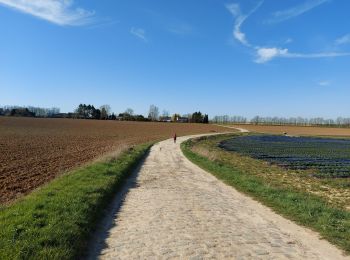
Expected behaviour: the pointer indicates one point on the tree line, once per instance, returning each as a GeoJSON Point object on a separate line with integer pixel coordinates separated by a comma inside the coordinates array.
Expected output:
{"type": "Point", "coordinates": [297, 121]}
{"type": "Point", "coordinates": [104, 112]}
{"type": "Point", "coordinates": [28, 111]}
{"type": "Point", "coordinates": [84, 111]}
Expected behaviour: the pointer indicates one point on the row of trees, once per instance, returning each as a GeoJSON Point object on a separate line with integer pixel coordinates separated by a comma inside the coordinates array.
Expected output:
{"type": "Point", "coordinates": [319, 121]}
{"type": "Point", "coordinates": [229, 119]}
{"type": "Point", "coordinates": [198, 117]}
{"type": "Point", "coordinates": [105, 113]}
{"type": "Point", "coordinates": [90, 112]}
{"type": "Point", "coordinates": [154, 115]}
{"type": "Point", "coordinates": [29, 111]}
{"type": "Point", "coordinates": [298, 121]}
{"type": "Point", "coordinates": [129, 115]}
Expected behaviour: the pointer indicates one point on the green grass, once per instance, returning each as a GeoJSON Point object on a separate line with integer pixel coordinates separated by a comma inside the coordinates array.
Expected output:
{"type": "Point", "coordinates": [56, 221]}
{"type": "Point", "coordinates": [304, 208]}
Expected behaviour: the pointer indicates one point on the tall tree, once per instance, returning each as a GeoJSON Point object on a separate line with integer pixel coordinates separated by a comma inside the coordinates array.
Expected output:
{"type": "Point", "coordinates": [104, 114]}
{"type": "Point", "coordinates": [197, 117]}
{"type": "Point", "coordinates": [153, 113]}
{"type": "Point", "coordinates": [107, 109]}
{"type": "Point", "coordinates": [96, 114]}
{"type": "Point", "coordinates": [206, 119]}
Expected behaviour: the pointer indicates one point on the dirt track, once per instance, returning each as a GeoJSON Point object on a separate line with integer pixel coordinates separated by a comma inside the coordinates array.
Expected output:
{"type": "Point", "coordinates": [176, 210]}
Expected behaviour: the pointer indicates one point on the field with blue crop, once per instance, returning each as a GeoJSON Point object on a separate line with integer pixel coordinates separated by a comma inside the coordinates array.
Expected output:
{"type": "Point", "coordinates": [322, 157]}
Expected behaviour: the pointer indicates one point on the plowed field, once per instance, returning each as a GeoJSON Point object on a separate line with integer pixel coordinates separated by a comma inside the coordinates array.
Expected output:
{"type": "Point", "coordinates": [34, 151]}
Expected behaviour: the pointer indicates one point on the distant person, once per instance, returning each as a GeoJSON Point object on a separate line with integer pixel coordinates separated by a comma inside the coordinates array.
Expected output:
{"type": "Point", "coordinates": [175, 138]}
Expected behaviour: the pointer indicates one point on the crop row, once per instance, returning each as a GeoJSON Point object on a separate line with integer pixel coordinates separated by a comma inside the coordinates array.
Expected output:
{"type": "Point", "coordinates": [325, 157]}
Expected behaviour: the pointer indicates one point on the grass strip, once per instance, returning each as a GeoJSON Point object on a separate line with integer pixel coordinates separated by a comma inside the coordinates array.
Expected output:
{"type": "Point", "coordinates": [306, 209]}
{"type": "Point", "coordinates": [56, 221]}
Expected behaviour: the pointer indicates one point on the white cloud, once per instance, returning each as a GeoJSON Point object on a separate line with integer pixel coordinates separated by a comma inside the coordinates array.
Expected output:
{"type": "Point", "coordinates": [318, 55]}
{"type": "Point", "coordinates": [343, 40]}
{"type": "Point", "coordinates": [295, 11]}
{"type": "Point", "coordinates": [235, 10]}
{"type": "Point", "coordinates": [324, 83]}
{"type": "Point", "coordinates": [139, 33]}
{"type": "Point", "coordinates": [59, 12]}
{"type": "Point", "coordinates": [240, 36]}
{"type": "Point", "coordinates": [266, 54]}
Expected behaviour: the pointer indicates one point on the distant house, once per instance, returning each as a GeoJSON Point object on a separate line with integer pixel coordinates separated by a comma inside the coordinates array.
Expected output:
{"type": "Point", "coordinates": [165, 119]}
{"type": "Point", "coordinates": [181, 119]}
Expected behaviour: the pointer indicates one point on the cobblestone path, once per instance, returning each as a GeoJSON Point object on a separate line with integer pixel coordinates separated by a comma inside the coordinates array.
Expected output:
{"type": "Point", "coordinates": [175, 210]}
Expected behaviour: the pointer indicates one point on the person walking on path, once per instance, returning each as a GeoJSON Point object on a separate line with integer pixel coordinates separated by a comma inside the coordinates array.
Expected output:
{"type": "Point", "coordinates": [175, 138]}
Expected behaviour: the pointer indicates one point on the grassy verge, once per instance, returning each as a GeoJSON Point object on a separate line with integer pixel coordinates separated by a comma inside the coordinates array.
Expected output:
{"type": "Point", "coordinates": [55, 222]}
{"type": "Point", "coordinates": [304, 208]}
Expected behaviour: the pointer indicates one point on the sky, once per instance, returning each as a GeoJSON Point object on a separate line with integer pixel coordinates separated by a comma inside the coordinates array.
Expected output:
{"type": "Point", "coordinates": [249, 57]}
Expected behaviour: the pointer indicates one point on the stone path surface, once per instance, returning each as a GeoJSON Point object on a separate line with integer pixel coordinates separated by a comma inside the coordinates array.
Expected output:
{"type": "Point", "coordinates": [175, 210]}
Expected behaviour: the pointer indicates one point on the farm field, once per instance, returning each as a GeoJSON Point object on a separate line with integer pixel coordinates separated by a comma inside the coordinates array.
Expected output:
{"type": "Point", "coordinates": [316, 165]}
{"type": "Point", "coordinates": [305, 179]}
{"type": "Point", "coordinates": [321, 157]}
{"type": "Point", "coordinates": [319, 169]}
{"type": "Point", "coordinates": [298, 130]}
{"type": "Point", "coordinates": [35, 151]}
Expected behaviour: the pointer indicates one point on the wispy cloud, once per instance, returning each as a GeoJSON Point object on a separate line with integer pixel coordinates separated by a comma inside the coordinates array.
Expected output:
{"type": "Point", "coordinates": [265, 54]}
{"type": "Point", "coordinates": [295, 11]}
{"type": "Point", "coordinates": [288, 40]}
{"type": "Point", "coordinates": [59, 12]}
{"type": "Point", "coordinates": [235, 10]}
{"type": "Point", "coordinates": [343, 40]}
{"type": "Point", "coordinates": [317, 55]}
{"type": "Point", "coordinates": [139, 33]}
{"type": "Point", "coordinates": [180, 28]}
{"type": "Point", "coordinates": [171, 24]}
{"type": "Point", "coordinates": [324, 83]}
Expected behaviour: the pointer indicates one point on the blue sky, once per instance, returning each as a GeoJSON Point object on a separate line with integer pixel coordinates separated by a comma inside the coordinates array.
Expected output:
{"type": "Point", "coordinates": [248, 57]}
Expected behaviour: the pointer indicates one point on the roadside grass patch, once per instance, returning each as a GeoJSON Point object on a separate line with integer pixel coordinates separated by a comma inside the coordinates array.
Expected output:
{"type": "Point", "coordinates": [56, 221]}
{"type": "Point", "coordinates": [310, 210]}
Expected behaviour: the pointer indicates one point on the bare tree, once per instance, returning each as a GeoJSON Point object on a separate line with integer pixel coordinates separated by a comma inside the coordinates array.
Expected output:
{"type": "Point", "coordinates": [153, 113]}
{"type": "Point", "coordinates": [107, 109]}
{"type": "Point", "coordinates": [103, 114]}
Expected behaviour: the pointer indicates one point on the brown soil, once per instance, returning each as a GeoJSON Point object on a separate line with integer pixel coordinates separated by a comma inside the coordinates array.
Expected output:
{"type": "Point", "coordinates": [298, 130]}
{"type": "Point", "coordinates": [35, 151]}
